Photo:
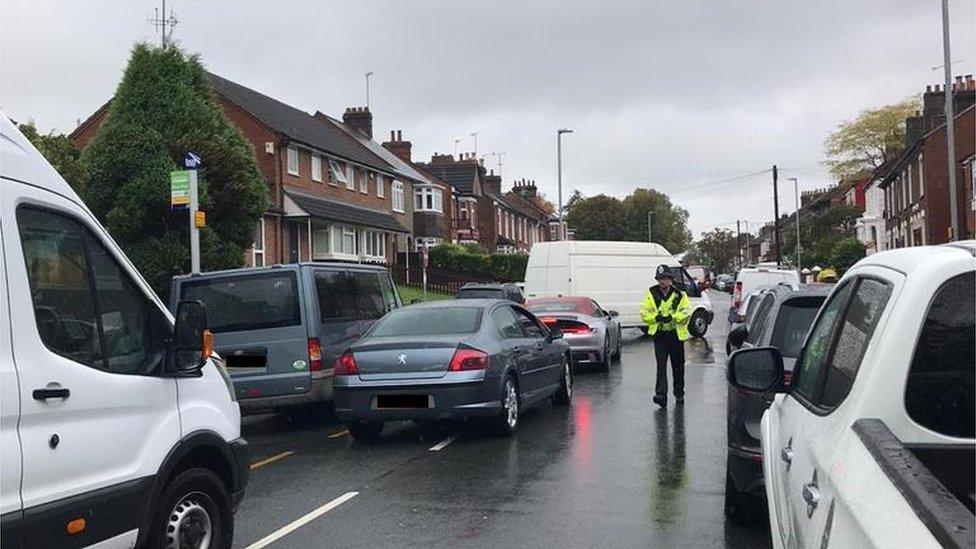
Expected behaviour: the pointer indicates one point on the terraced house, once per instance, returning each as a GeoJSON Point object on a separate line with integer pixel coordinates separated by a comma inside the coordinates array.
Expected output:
{"type": "Point", "coordinates": [334, 193]}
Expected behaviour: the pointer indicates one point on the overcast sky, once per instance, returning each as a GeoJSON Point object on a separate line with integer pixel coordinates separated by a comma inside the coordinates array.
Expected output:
{"type": "Point", "coordinates": [682, 96]}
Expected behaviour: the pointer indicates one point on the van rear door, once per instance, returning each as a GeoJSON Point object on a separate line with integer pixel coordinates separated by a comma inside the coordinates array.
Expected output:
{"type": "Point", "coordinates": [256, 318]}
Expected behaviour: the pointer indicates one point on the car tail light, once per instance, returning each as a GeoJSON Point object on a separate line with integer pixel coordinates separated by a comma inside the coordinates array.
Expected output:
{"type": "Point", "coordinates": [346, 365]}
{"type": "Point", "coordinates": [548, 320]}
{"type": "Point", "coordinates": [737, 295]}
{"type": "Point", "coordinates": [570, 327]}
{"type": "Point", "coordinates": [314, 354]}
{"type": "Point", "coordinates": [468, 359]}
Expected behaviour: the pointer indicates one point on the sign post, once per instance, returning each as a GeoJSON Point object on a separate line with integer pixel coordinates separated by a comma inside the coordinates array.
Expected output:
{"type": "Point", "coordinates": [192, 162]}
{"type": "Point", "coordinates": [424, 258]}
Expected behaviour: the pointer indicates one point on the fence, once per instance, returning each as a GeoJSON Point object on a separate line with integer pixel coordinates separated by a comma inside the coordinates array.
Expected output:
{"type": "Point", "coordinates": [438, 280]}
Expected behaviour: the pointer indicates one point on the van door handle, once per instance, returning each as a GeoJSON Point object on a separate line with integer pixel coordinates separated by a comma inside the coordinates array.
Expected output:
{"type": "Point", "coordinates": [811, 495]}
{"type": "Point", "coordinates": [786, 454]}
{"type": "Point", "coordinates": [51, 392]}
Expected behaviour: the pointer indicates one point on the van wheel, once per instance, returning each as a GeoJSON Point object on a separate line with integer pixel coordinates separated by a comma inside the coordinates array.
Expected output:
{"type": "Point", "coordinates": [698, 324]}
{"type": "Point", "coordinates": [365, 431]}
{"type": "Point", "coordinates": [195, 512]}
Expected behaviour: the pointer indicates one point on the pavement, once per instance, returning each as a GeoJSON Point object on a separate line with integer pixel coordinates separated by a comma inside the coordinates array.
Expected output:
{"type": "Point", "coordinates": [612, 470]}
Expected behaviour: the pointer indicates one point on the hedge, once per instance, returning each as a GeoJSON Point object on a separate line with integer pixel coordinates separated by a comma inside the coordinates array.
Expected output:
{"type": "Point", "coordinates": [464, 261]}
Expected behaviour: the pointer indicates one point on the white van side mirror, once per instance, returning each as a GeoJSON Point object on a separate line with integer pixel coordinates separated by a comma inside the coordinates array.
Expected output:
{"type": "Point", "coordinates": [192, 342]}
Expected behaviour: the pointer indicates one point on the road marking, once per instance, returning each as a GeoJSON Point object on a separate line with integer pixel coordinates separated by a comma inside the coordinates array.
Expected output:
{"type": "Point", "coordinates": [271, 459]}
{"type": "Point", "coordinates": [340, 433]}
{"type": "Point", "coordinates": [295, 525]}
{"type": "Point", "coordinates": [442, 444]}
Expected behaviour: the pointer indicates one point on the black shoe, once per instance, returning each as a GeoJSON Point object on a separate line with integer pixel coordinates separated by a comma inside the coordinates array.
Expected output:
{"type": "Point", "coordinates": [661, 401]}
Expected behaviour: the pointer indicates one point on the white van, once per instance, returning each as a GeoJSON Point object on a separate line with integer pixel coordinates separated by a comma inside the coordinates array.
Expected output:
{"type": "Point", "coordinates": [750, 279]}
{"type": "Point", "coordinates": [615, 274]}
{"type": "Point", "coordinates": [116, 426]}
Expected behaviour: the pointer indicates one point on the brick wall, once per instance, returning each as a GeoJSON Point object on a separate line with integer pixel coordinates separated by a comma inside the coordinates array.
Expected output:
{"type": "Point", "coordinates": [936, 178]}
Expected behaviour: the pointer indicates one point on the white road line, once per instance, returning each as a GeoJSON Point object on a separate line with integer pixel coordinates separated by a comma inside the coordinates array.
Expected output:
{"type": "Point", "coordinates": [285, 530]}
{"type": "Point", "coordinates": [441, 445]}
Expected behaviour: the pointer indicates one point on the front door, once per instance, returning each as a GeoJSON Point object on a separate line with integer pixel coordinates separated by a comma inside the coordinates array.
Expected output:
{"type": "Point", "coordinates": [86, 345]}
{"type": "Point", "coordinates": [293, 232]}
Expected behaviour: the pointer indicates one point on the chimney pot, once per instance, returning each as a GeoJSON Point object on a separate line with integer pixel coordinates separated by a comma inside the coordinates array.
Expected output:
{"type": "Point", "coordinates": [928, 89]}
{"type": "Point", "coordinates": [399, 135]}
{"type": "Point", "coordinates": [391, 136]}
{"type": "Point", "coordinates": [937, 88]}
{"type": "Point", "coordinates": [959, 79]}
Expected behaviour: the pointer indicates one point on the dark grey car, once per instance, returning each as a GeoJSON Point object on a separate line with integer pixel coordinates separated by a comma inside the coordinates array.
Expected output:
{"type": "Point", "coordinates": [456, 359]}
{"type": "Point", "coordinates": [491, 290]}
{"type": "Point", "coordinates": [781, 319]}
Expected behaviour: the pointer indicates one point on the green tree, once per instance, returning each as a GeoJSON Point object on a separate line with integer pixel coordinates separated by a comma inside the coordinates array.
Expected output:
{"type": "Point", "coordinates": [60, 151]}
{"type": "Point", "coordinates": [669, 223]}
{"type": "Point", "coordinates": [718, 249]}
{"type": "Point", "coordinates": [845, 253]}
{"type": "Point", "coordinates": [819, 232]}
{"type": "Point", "coordinates": [862, 145]}
{"type": "Point", "coordinates": [164, 107]}
{"type": "Point", "coordinates": [596, 218]}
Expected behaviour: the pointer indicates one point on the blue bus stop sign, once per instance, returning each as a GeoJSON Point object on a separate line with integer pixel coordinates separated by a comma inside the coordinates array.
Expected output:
{"type": "Point", "coordinates": [191, 160]}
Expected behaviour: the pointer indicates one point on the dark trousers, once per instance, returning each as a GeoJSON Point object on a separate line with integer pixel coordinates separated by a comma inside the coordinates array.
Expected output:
{"type": "Point", "coordinates": [667, 345]}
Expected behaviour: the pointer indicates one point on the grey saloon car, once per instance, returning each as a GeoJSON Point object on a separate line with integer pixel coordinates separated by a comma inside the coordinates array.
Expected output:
{"type": "Point", "coordinates": [781, 319]}
{"type": "Point", "coordinates": [593, 333]}
{"type": "Point", "coordinates": [455, 359]}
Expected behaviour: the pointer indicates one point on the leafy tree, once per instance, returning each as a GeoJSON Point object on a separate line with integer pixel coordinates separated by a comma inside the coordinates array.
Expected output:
{"type": "Point", "coordinates": [862, 145]}
{"type": "Point", "coordinates": [164, 107]}
{"type": "Point", "coordinates": [597, 218]}
{"type": "Point", "coordinates": [718, 249]}
{"type": "Point", "coordinates": [819, 233]}
{"type": "Point", "coordinates": [669, 223]}
{"type": "Point", "coordinates": [60, 151]}
{"type": "Point", "coordinates": [845, 253]}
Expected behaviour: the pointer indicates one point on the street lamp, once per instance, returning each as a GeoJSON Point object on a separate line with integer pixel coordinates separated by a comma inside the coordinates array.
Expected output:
{"type": "Point", "coordinates": [796, 192]}
{"type": "Point", "coordinates": [559, 176]}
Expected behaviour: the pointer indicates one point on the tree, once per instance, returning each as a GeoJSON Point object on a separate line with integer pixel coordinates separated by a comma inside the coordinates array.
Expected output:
{"type": "Point", "coordinates": [875, 137]}
{"type": "Point", "coordinates": [60, 151]}
{"type": "Point", "coordinates": [543, 202]}
{"type": "Point", "coordinates": [845, 253]}
{"type": "Point", "coordinates": [597, 218]}
{"type": "Point", "coordinates": [669, 223]}
{"type": "Point", "coordinates": [819, 233]}
{"type": "Point", "coordinates": [718, 249]}
{"type": "Point", "coordinates": [164, 107]}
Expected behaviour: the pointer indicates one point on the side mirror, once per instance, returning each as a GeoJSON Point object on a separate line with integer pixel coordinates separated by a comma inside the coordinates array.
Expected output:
{"type": "Point", "coordinates": [756, 370]}
{"type": "Point", "coordinates": [554, 334]}
{"type": "Point", "coordinates": [614, 314]}
{"type": "Point", "coordinates": [192, 341]}
{"type": "Point", "coordinates": [738, 335]}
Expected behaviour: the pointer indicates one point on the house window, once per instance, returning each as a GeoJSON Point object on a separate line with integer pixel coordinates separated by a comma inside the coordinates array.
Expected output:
{"type": "Point", "coordinates": [321, 245]}
{"type": "Point", "coordinates": [397, 192]}
{"type": "Point", "coordinates": [345, 240]}
{"type": "Point", "coordinates": [427, 199]}
{"type": "Point", "coordinates": [364, 178]}
{"type": "Point", "coordinates": [316, 168]}
{"type": "Point", "coordinates": [498, 212]}
{"type": "Point", "coordinates": [257, 258]}
{"type": "Point", "coordinates": [380, 191]}
{"type": "Point", "coordinates": [350, 177]}
{"type": "Point", "coordinates": [292, 161]}
{"type": "Point", "coordinates": [335, 173]}
{"type": "Point", "coordinates": [374, 245]}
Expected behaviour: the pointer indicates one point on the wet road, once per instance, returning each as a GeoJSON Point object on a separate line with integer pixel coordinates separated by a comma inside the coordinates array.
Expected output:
{"type": "Point", "coordinates": [612, 471]}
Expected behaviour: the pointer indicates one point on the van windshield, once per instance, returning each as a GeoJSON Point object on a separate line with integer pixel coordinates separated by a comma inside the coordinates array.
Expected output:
{"type": "Point", "coordinates": [252, 302]}
{"type": "Point", "coordinates": [414, 321]}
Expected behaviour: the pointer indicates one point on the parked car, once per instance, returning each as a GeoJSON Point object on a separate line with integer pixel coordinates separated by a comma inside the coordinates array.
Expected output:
{"type": "Point", "coordinates": [592, 332]}
{"type": "Point", "coordinates": [872, 442]}
{"type": "Point", "coordinates": [281, 328]}
{"type": "Point", "coordinates": [117, 425]}
{"type": "Point", "coordinates": [701, 275]}
{"type": "Point", "coordinates": [781, 320]}
{"type": "Point", "coordinates": [454, 359]}
{"type": "Point", "coordinates": [616, 274]}
{"type": "Point", "coordinates": [750, 278]}
{"type": "Point", "coordinates": [724, 282]}
{"type": "Point", "coordinates": [507, 290]}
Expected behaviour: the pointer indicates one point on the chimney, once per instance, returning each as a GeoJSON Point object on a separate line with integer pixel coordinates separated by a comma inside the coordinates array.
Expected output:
{"type": "Point", "coordinates": [398, 146]}
{"type": "Point", "coordinates": [359, 118]}
{"type": "Point", "coordinates": [525, 188]}
{"type": "Point", "coordinates": [914, 129]}
{"type": "Point", "coordinates": [493, 183]}
{"type": "Point", "coordinates": [442, 159]}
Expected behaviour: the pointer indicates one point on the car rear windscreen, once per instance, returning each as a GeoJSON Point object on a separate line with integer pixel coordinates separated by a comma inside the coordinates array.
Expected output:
{"type": "Point", "coordinates": [418, 321]}
{"type": "Point", "coordinates": [353, 295]}
{"type": "Point", "coordinates": [481, 293]}
{"type": "Point", "coordinates": [793, 323]}
{"type": "Point", "coordinates": [251, 302]}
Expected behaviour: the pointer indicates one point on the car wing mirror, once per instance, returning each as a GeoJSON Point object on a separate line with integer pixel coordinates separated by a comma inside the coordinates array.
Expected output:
{"type": "Point", "coordinates": [192, 342]}
{"type": "Point", "coordinates": [758, 370]}
{"type": "Point", "coordinates": [614, 314]}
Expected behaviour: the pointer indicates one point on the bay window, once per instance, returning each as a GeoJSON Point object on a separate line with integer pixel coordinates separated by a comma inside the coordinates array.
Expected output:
{"type": "Point", "coordinates": [427, 199]}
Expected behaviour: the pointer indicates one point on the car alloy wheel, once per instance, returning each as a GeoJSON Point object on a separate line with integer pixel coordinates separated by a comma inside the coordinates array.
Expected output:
{"type": "Point", "coordinates": [190, 525]}
{"type": "Point", "coordinates": [568, 381]}
{"type": "Point", "coordinates": [511, 405]}
{"type": "Point", "coordinates": [564, 395]}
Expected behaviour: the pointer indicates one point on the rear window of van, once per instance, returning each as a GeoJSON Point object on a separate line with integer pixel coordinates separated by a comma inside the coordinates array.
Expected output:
{"type": "Point", "coordinates": [253, 302]}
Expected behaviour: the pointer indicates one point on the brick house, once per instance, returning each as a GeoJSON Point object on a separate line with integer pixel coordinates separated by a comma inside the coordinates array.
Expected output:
{"type": "Point", "coordinates": [534, 220]}
{"type": "Point", "coordinates": [916, 188]}
{"type": "Point", "coordinates": [329, 195]}
{"type": "Point", "coordinates": [471, 220]}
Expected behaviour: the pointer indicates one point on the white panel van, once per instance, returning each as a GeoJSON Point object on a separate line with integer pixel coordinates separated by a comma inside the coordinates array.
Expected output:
{"type": "Point", "coordinates": [117, 426]}
{"type": "Point", "coordinates": [615, 274]}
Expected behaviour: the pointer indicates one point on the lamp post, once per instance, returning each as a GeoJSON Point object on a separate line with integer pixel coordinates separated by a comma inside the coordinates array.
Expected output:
{"type": "Point", "coordinates": [796, 193]}
{"type": "Point", "coordinates": [559, 177]}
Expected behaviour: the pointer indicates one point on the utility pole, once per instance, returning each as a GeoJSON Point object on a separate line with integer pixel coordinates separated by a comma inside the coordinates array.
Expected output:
{"type": "Point", "coordinates": [779, 255]}
{"type": "Point", "coordinates": [368, 74]}
{"type": "Point", "coordinates": [559, 177]}
{"type": "Point", "coordinates": [738, 241]}
{"type": "Point", "coordinates": [796, 194]}
{"type": "Point", "coordinates": [950, 124]}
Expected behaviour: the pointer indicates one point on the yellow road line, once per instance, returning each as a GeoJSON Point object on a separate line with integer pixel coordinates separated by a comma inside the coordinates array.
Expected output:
{"type": "Point", "coordinates": [338, 434]}
{"type": "Point", "coordinates": [271, 459]}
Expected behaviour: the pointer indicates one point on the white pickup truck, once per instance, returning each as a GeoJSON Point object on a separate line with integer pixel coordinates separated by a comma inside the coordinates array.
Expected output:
{"type": "Point", "coordinates": [872, 443]}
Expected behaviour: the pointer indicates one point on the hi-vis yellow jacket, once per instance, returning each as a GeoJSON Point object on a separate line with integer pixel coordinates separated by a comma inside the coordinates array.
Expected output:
{"type": "Point", "coordinates": [675, 304]}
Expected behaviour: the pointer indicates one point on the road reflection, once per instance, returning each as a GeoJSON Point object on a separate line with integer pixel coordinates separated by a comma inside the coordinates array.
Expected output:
{"type": "Point", "coordinates": [699, 351]}
{"type": "Point", "coordinates": [668, 478]}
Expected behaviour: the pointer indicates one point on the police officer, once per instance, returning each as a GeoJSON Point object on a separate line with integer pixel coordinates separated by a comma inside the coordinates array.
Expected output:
{"type": "Point", "coordinates": [666, 311]}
